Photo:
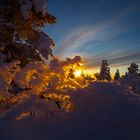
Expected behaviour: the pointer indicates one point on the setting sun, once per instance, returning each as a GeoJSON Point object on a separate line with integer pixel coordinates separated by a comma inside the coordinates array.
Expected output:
{"type": "Point", "coordinates": [77, 73]}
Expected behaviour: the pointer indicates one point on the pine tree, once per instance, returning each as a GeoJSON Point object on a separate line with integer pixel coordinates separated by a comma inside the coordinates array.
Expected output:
{"type": "Point", "coordinates": [117, 75]}
{"type": "Point", "coordinates": [20, 37]}
{"type": "Point", "coordinates": [105, 71]}
{"type": "Point", "coordinates": [126, 74]}
{"type": "Point", "coordinates": [133, 69]}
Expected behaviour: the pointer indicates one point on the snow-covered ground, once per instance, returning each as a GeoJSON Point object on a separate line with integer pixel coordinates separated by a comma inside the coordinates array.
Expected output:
{"type": "Point", "coordinates": [101, 111]}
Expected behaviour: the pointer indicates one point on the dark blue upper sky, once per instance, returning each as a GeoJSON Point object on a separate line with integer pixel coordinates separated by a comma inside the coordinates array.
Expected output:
{"type": "Point", "coordinates": [96, 30]}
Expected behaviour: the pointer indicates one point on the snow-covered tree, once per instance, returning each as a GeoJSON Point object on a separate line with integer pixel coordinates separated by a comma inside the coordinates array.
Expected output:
{"type": "Point", "coordinates": [24, 50]}
{"type": "Point", "coordinates": [131, 79]}
{"type": "Point", "coordinates": [133, 69]}
{"type": "Point", "coordinates": [126, 74]}
{"type": "Point", "coordinates": [20, 37]}
{"type": "Point", "coordinates": [104, 71]}
{"type": "Point", "coordinates": [117, 75]}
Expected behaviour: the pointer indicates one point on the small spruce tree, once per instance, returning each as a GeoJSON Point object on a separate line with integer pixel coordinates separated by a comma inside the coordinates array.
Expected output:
{"type": "Point", "coordinates": [133, 69]}
{"type": "Point", "coordinates": [105, 71]}
{"type": "Point", "coordinates": [126, 74]}
{"type": "Point", "coordinates": [117, 75]}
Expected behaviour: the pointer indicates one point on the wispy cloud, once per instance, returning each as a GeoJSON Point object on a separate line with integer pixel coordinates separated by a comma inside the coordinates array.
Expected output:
{"type": "Point", "coordinates": [117, 61]}
{"type": "Point", "coordinates": [96, 34]}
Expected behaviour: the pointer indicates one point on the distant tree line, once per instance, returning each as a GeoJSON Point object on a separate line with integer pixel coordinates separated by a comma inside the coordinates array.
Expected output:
{"type": "Point", "coordinates": [104, 74]}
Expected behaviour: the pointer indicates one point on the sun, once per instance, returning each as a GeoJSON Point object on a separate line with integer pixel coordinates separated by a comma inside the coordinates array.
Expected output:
{"type": "Point", "coordinates": [77, 73]}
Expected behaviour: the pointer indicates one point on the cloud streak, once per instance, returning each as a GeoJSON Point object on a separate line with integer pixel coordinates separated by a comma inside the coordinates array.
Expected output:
{"type": "Point", "coordinates": [96, 34]}
{"type": "Point", "coordinates": [117, 61]}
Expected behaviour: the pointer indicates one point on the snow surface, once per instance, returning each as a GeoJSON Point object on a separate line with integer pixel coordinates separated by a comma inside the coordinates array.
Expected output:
{"type": "Point", "coordinates": [101, 111]}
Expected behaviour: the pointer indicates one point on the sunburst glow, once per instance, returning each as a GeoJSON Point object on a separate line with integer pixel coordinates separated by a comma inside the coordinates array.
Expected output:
{"type": "Point", "coordinates": [78, 73]}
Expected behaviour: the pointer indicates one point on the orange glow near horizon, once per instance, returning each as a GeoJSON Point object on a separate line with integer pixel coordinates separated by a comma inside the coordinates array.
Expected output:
{"type": "Point", "coordinates": [92, 71]}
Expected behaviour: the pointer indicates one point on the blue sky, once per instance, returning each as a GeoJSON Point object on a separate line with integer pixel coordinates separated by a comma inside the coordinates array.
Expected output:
{"type": "Point", "coordinates": [97, 30]}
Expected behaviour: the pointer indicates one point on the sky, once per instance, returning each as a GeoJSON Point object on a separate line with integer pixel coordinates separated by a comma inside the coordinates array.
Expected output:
{"type": "Point", "coordinates": [96, 30]}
